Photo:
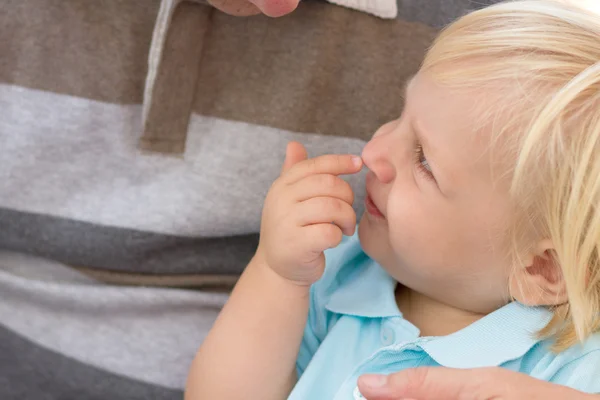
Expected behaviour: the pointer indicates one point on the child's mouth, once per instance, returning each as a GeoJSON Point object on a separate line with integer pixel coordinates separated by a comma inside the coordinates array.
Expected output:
{"type": "Point", "coordinates": [371, 208]}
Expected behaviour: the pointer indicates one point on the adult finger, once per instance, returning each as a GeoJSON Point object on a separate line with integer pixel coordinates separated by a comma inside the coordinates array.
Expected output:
{"type": "Point", "coordinates": [275, 8]}
{"type": "Point", "coordinates": [427, 383]}
{"type": "Point", "coordinates": [237, 8]}
{"type": "Point", "coordinates": [458, 384]}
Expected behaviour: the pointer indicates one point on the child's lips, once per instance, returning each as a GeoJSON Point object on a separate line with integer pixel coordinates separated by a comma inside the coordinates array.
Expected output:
{"type": "Point", "coordinates": [371, 208]}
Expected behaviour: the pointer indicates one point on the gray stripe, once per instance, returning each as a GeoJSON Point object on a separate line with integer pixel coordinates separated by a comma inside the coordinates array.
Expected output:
{"type": "Point", "coordinates": [78, 159]}
{"type": "Point", "coordinates": [146, 334]}
{"type": "Point", "coordinates": [119, 249]}
{"type": "Point", "coordinates": [28, 371]}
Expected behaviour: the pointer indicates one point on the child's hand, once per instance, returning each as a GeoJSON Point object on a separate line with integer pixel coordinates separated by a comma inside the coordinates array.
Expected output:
{"type": "Point", "coordinates": [306, 211]}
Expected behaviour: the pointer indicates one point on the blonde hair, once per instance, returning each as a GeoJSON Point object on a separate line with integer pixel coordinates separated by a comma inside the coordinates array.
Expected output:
{"type": "Point", "coordinates": [540, 60]}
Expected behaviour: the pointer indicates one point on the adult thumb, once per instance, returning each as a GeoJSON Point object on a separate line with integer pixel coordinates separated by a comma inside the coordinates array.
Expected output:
{"type": "Point", "coordinates": [420, 383]}
{"type": "Point", "coordinates": [294, 153]}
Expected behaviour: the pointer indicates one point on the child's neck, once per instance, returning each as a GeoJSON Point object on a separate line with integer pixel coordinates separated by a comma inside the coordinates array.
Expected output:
{"type": "Point", "coordinates": [432, 317]}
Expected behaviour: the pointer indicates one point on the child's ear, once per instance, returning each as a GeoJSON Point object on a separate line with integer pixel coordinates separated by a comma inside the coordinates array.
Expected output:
{"type": "Point", "coordinates": [540, 282]}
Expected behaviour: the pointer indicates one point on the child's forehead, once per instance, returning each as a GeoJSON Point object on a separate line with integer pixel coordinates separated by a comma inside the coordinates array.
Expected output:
{"type": "Point", "coordinates": [479, 111]}
{"type": "Point", "coordinates": [448, 112]}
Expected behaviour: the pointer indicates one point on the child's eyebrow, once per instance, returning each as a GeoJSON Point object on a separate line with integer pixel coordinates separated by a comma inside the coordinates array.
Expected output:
{"type": "Point", "coordinates": [431, 152]}
{"type": "Point", "coordinates": [435, 154]}
{"type": "Point", "coordinates": [416, 127]}
{"type": "Point", "coordinates": [421, 138]}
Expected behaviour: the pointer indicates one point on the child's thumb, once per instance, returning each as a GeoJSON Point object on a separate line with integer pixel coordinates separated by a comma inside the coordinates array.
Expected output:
{"type": "Point", "coordinates": [294, 153]}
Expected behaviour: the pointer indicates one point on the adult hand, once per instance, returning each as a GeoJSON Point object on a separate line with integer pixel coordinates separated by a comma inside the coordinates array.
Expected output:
{"type": "Point", "coordinates": [243, 8]}
{"type": "Point", "coordinates": [463, 384]}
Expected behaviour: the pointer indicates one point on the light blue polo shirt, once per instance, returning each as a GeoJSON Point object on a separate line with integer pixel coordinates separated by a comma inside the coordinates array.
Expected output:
{"type": "Point", "coordinates": [354, 327]}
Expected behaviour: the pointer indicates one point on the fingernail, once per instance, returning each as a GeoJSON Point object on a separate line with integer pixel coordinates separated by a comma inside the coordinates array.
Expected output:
{"type": "Point", "coordinates": [357, 161]}
{"type": "Point", "coordinates": [374, 381]}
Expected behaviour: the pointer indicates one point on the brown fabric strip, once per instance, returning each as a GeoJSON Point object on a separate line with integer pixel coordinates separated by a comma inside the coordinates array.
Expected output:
{"type": "Point", "coordinates": [168, 98]}
{"type": "Point", "coordinates": [325, 69]}
{"type": "Point", "coordinates": [92, 49]}
{"type": "Point", "coordinates": [189, 281]}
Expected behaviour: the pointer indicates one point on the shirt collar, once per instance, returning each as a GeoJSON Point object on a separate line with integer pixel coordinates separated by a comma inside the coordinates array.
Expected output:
{"type": "Point", "coordinates": [367, 291]}
{"type": "Point", "coordinates": [506, 334]}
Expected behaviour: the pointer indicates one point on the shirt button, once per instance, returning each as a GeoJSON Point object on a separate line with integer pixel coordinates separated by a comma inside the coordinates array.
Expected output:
{"type": "Point", "coordinates": [388, 336]}
{"type": "Point", "coordinates": [357, 394]}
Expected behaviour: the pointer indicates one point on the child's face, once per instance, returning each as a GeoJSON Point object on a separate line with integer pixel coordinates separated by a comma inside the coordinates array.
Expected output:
{"type": "Point", "coordinates": [441, 233]}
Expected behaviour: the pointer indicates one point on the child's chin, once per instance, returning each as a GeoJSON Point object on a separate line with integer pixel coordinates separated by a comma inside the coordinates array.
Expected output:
{"type": "Point", "coordinates": [366, 227]}
{"type": "Point", "coordinates": [362, 229]}
{"type": "Point", "coordinates": [367, 238]}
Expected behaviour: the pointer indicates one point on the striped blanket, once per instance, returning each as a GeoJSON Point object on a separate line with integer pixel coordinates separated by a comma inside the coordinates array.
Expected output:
{"type": "Point", "coordinates": [137, 141]}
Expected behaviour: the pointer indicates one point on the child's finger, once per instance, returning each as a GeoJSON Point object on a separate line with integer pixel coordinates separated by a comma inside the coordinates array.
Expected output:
{"type": "Point", "coordinates": [323, 185]}
{"type": "Point", "coordinates": [320, 237]}
{"type": "Point", "coordinates": [332, 164]}
{"type": "Point", "coordinates": [322, 210]}
{"type": "Point", "coordinates": [294, 153]}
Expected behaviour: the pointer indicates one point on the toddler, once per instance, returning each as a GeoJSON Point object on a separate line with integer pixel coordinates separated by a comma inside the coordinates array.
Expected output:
{"type": "Point", "coordinates": [480, 244]}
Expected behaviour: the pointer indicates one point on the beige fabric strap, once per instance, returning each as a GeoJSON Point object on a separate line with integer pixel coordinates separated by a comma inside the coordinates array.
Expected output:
{"type": "Point", "coordinates": [173, 65]}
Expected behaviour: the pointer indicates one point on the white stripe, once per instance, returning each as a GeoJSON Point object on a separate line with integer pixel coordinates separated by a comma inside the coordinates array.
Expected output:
{"type": "Point", "coordinates": [77, 158]}
{"type": "Point", "coordinates": [387, 9]}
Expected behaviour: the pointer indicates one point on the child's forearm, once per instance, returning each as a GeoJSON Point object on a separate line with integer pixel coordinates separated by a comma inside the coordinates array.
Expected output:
{"type": "Point", "coordinates": [251, 351]}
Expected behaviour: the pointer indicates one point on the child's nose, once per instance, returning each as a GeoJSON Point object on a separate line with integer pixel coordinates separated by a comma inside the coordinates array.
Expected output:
{"type": "Point", "coordinates": [376, 156]}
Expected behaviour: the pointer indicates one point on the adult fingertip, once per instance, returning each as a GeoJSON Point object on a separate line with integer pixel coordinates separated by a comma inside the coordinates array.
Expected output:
{"type": "Point", "coordinates": [276, 8]}
{"type": "Point", "coordinates": [357, 161]}
{"type": "Point", "coordinates": [372, 383]}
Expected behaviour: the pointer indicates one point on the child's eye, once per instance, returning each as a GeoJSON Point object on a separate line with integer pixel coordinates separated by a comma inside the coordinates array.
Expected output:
{"type": "Point", "coordinates": [422, 163]}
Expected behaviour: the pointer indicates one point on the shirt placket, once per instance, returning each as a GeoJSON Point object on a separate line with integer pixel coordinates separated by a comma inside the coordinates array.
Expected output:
{"type": "Point", "coordinates": [173, 66]}
{"type": "Point", "coordinates": [382, 356]}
